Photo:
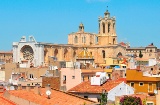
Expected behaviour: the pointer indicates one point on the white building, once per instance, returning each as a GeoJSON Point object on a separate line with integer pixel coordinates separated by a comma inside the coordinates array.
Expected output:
{"type": "Point", "coordinates": [28, 53]}
{"type": "Point", "coordinates": [93, 92]}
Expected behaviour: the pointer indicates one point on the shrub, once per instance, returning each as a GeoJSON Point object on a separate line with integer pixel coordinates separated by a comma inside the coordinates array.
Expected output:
{"type": "Point", "coordinates": [129, 100]}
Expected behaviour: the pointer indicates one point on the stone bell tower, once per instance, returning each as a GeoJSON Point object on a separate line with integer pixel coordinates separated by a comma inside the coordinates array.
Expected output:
{"type": "Point", "coordinates": [107, 30]}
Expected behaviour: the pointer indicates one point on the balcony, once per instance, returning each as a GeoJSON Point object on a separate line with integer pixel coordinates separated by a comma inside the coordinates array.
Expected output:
{"type": "Point", "coordinates": [146, 73]}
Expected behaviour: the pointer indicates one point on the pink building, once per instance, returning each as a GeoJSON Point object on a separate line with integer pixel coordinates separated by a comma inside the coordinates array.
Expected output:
{"type": "Point", "coordinates": [70, 77]}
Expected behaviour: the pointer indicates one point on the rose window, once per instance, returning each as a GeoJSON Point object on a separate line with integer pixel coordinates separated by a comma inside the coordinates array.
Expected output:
{"type": "Point", "coordinates": [27, 53]}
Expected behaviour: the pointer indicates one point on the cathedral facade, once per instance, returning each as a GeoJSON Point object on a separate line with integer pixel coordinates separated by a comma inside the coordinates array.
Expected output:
{"type": "Point", "coordinates": [101, 46]}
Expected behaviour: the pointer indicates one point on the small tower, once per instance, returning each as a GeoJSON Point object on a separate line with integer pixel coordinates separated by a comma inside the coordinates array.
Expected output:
{"type": "Point", "coordinates": [81, 27]}
{"type": "Point", "coordinates": [107, 31]}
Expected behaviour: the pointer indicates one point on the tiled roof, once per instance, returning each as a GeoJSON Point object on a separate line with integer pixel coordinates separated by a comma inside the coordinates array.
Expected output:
{"type": "Point", "coordinates": [86, 87]}
{"type": "Point", "coordinates": [57, 97]}
{"type": "Point", "coordinates": [92, 70]}
{"type": "Point", "coordinates": [142, 59]}
{"type": "Point", "coordinates": [4, 101]}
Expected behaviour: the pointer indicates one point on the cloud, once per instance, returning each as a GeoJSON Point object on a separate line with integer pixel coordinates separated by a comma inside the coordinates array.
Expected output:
{"type": "Point", "coordinates": [90, 1]}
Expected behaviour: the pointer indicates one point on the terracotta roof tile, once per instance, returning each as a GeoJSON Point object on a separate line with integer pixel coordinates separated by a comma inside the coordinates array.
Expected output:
{"type": "Point", "coordinates": [4, 101]}
{"type": "Point", "coordinates": [86, 87]}
{"type": "Point", "coordinates": [57, 97]}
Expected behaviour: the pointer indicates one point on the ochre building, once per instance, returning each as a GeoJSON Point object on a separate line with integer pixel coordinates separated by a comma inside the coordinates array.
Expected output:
{"type": "Point", "coordinates": [101, 46]}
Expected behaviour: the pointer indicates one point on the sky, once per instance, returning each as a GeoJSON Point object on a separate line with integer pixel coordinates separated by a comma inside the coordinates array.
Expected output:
{"type": "Point", "coordinates": [137, 21]}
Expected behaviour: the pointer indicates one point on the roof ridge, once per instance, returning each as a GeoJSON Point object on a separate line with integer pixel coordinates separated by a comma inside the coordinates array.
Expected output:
{"type": "Point", "coordinates": [73, 95]}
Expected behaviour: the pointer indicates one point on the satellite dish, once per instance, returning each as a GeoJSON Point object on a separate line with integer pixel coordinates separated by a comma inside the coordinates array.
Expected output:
{"type": "Point", "coordinates": [48, 92]}
{"type": "Point", "coordinates": [155, 92]}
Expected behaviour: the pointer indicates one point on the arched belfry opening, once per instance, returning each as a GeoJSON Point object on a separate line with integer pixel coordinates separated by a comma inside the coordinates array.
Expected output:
{"type": "Point", "coordinates": [103, 25]}
{"type": "Point", "coordinates": [109, 24]}
{"type": "Point", "coordinates": [81, 27]}
{"type": "Point", "coordinates": [113, 26]}
{"type": "Point", "coordinates": [114, 41]}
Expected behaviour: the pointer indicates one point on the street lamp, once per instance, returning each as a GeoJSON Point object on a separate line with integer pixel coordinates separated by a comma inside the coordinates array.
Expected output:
{"type": "Point", "coordinates": [104, 97]}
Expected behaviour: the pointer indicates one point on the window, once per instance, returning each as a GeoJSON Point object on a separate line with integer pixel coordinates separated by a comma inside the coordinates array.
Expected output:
{"type": "Point", "coordinates": [149, 103]}
{"type": "Point", "coordinates": [84, 39]}
{"type": "Point", "coordinates": [64, 79]}
{"type": "Point", "coordinates": [73, 77]}
{"type": "Point", "coordinates": [141, 84]}
{"type": "Point", "coordinates": [109, 75]}
{"type": "Point", "coordinates": [103, 53]}
{"type": "Point", "coordinates": [86, 97]}
{"type": "Point", "coordinates": [150, 87]}
{"type": "Point", "coordinates": [132, 84]}
{"type": "Point", "coordinates": [31, 75]}
{"type": "Point", "coordinates": [88, 78]}
{"type": "Point", "coordinates": [76, 39]}
{"type": "Point", "coordinates": [83, 78]}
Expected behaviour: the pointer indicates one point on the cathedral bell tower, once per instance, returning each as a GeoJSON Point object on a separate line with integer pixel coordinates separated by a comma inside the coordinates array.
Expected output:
{"type": "Point", "coordinates": [107, 30]}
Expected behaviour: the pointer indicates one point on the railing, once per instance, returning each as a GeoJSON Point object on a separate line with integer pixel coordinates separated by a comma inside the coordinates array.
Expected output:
{"type": "Point", "coordinates": [150, 75]}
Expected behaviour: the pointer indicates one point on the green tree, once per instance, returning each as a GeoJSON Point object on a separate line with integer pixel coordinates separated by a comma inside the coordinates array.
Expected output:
{"type": "Point", "coordinates": [140, 54]}
{"type": "Point", "coordinates": [104, 98]}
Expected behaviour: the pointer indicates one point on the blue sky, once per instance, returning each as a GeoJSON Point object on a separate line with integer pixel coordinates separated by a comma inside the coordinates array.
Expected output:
{"type": "Point", "coordinates": [138, 21]}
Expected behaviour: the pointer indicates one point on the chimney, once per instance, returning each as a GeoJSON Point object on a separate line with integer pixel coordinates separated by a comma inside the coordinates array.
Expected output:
{"type": "Point", "coordinates": [37, 89]}
{"type": "Point", "coordinates": [48, 87]}
{"type": "Point", "coordinates": [48, 91]}
{"type": "Point", "coordinates": [28, 88]}
{"type": "Point", "coordinates": [19, 87]}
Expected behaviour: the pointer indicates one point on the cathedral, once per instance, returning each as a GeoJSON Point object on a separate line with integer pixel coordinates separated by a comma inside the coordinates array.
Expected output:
{"type": "Point", "coordinates": [98, 47]}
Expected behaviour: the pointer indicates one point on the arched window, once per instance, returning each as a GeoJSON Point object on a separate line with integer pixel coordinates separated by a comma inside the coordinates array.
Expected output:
{"type": "Point", "coordinates": [74, 53]}
{"type": "Point", "coordinates": [119, 54]}
{"type": "Point", "coordinates": [113, 25]}
{"type": "Point", "coordinates": [103, 53]}
{"type": "Point", "coordinates": [76, 39]}
{"type": "Point", "coordinates": [109, 27]}
{"type": "Point", "coordinates": [103, 27]}
{"type": "Point", "coordinates": [55, 52]}
{"type": "Point", "coordinates": [65, 52]}
{"type": "Point", "coordinates": [84, 39]}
